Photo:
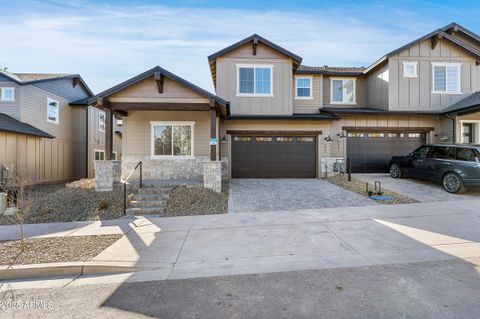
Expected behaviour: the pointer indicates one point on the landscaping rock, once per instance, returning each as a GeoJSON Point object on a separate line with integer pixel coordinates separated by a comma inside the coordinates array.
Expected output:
{"type": "Point", "coordinates": [196, 200]}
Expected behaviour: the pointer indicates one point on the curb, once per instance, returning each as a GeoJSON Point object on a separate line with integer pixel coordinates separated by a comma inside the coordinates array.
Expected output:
{"type": "Point", "coordinates": [67, 269]}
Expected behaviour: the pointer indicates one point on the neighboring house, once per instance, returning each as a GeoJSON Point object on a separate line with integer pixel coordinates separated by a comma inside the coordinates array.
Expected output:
{"type": "Point", "coordinates": [274, 117]}
{"type": "Point", "coordinates": [41, 136]}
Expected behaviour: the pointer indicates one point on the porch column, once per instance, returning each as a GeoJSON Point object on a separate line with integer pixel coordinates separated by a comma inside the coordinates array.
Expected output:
{"type": "Point", "coordinates": [213, 134]}
{"type": "Point", "coordinates": [108, 133]}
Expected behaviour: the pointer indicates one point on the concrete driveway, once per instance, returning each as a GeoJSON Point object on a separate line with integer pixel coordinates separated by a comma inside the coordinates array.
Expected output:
{"type": "Point", "coordinates": [421, 190]}
{"type": "Point", "coordinates": [254, 195]}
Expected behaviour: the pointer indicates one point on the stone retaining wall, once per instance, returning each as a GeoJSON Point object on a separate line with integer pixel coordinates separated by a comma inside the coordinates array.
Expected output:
{"type": "Point", "coordinates": [212, 175]}
{"type": "Point", "coordinates": [106, 174]}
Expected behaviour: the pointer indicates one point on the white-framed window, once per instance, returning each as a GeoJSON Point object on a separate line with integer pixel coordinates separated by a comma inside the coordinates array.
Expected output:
{"type": "Point", "coordinates": [101, 121]}
{"type": "Point", "coordinates": [303, 87]}
{"type": "Point", "coordinates": [470, 132]}
{"type": "Point", "coordinates": [342, 91]}
{"type": "Point", "coordinates": [172, 139]}
{"type": "Point", "coordinates": [254, 80]}
{"type": "Point", "coordinates": [7, 94]}
{"type": "Point", "coordinates": [446, 78]}
{"type": "Point", "coordinates": [53, 111]}
{"type": "Point", "coordinates": [410, 69]}
{"type": "Point", "coordinates": [99, 155]}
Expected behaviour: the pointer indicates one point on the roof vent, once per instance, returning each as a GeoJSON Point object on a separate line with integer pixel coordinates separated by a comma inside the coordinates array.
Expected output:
{"type": "Point", "coordinates": [5, 69]}
{"type": "Point", "coordinates": [325, 66]}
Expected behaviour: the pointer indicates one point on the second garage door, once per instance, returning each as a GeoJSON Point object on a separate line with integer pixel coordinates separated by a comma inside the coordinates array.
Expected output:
{"type": "Point", "coordinates": [370, 152]}
{"type": "Point", "coordinates": [273, 156]}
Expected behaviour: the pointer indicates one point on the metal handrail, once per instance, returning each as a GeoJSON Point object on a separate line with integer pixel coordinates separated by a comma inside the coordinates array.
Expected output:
{"type": "Point", "coordinates": [125, 182]}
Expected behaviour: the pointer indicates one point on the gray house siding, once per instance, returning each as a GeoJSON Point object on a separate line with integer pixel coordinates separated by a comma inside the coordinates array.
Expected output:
{"type": "Point", "coordinates": [11, 108]}
{"type": "Point", "coordinates": [64, 88]}
{"type": "Point", "coordinates": [416, 93]}
{"type": "Point", "coordinates": [359, 91]}
{"type": "Point", "coordinates": [377, 82]}
{"type": "Point", "coordinates": [305, 106]}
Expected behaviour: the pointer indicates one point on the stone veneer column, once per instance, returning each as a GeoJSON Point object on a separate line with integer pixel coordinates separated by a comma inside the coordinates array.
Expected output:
{"type": "Point", "coordinates": [212, 175]}
{"type": "Point", "coordinates": [107, 173]}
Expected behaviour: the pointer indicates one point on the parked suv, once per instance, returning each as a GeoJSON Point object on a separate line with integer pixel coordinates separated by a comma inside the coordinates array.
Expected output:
{"type": "Point", "coordinates": [457, 166]}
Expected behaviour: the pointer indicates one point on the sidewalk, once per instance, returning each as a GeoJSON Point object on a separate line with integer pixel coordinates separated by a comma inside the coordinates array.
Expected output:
{"type": "Point", "coordinates": [214, 245]}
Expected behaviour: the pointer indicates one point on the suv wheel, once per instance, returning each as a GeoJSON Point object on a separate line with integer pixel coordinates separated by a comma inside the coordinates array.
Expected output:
{"type": "Point", "coordinates": [453, 183]}
{"type": "Point", "coordinates": [395, 171]}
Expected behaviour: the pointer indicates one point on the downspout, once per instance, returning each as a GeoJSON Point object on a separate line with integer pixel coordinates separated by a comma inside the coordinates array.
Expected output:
{"type": "Point", "coordinates": [86, 142]}
{"type": "Point", "coordinates": [454, 121]}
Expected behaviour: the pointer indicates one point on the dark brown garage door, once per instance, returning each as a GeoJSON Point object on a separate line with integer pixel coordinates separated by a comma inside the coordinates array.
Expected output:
{"type": "Point", "coordinates": [370, 152]}
{"type": "Point", "coordinates": [273, 157]}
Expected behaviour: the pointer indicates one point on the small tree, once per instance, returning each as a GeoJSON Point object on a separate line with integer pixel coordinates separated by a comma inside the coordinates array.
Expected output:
{"type": "Point", "coordinates": [20, 200]}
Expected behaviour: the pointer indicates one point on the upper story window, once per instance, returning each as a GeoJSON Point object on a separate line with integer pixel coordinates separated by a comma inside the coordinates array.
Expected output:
{"type": "Point", "coordinates": [172, 139]}
{"type": "Point", "coordinates": [410, 69]}
{"type": "Point", "coordinates": [303, 87]}
{"type": "Point", "coordinates": [53, 110]}
{"type": "Point", "coordinates": [343, 91]}
{"type": "Point", "coordinates": [254, 80]}
{"type": "Point", "coordinates": [446, 78]}
{"type": "Point", "coordinates": [7, 94]}
{"type": "Point", "coordinates": [101, 121]}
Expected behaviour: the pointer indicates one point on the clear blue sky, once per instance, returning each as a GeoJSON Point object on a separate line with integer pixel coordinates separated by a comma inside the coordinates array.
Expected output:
{"type": "Point", "coordinates": [110, 41]}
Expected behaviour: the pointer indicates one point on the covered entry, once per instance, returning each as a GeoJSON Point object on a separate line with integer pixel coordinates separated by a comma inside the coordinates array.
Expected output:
{"type": "Point", "coordinates": [370, 152]}
{"type": "Point", "coordinates": [274, 155]}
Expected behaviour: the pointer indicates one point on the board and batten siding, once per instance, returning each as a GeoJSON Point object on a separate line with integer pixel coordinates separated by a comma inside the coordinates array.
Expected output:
{"type": "Point", "coordinates": [416, 93]}
{"type": "Point", "coordinates": [377, 82]}
{"type": "Point", "coordinates": [359, 91]}
{"type": "Point", "coordinates": [227, 82]}
{"type": "Point", "coordinates": [137, 132]}
{"type": "Point", "coordinates": [306, 106]}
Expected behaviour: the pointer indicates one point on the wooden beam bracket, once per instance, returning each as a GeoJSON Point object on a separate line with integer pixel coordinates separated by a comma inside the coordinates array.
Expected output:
{"type": "Point", "coordinates": [435, 40]}
{"type": "Point", "coordinates": [159, 79]}
{"type": "Point", "coordinates": [75, 81]}
{"type": "Point", "coordinates": [255, 44]}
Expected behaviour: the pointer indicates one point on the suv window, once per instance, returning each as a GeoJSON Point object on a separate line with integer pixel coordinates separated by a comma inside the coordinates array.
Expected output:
{"type": "Point", "coordinates": [421, 152]}
{"type": "Point", "coordinates": [466, 154]}
{"type": "Point", "coordinates": [443, 152]}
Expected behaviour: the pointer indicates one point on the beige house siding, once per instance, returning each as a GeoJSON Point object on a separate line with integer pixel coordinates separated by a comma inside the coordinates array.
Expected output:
{"type": "Point", "coordinates": [359, 91]}
{"type": "Point", "coordinates": [137, 130]}
{"type": "Point", "coordinates": [281, 101]}
{"type": "Point", "coordinates": [416, 93]}
{"type": "Point", "coordinates": [96, 138]}
{"type": "Point", "coordinates": [377, 82]}
{"type": "Point", "coordinates": [474, 117]}
{"type": "Point", "coordinates": [11, 108]}
{"type": "Point", "coordinates": [305, 106]}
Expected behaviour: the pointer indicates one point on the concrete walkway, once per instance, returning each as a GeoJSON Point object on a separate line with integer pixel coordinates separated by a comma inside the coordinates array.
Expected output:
{"type": "Point", "coordinates": [260, 195]}
{"type": "Point", "coordinates": [421, 190]}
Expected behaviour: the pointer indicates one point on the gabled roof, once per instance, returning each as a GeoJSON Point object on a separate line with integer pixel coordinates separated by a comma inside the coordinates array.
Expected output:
{"type": "Point", "coordinates": [329, 70]}
{"type": "Point", "coordinates": [260, 39]}
{"type": "Point", "coordinates": [32, 78]}
{"type": "Point", "coordinates": [9, 124]}
{"type": "Point", "coordinates": [146, 75]}
{"type": "Point", "coordinates": [254, 38]}
{"type": "Point", "coordinates": [437, 33]}
{"type": "Point", "coordinates": [455, 27]}
{"type": "Point", "coordinates": [466, 104]}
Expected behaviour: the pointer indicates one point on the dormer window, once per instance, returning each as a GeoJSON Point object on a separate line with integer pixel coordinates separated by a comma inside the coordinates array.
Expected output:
{"type": "Point", "coordinates": [410, 69]}
{"type": "Point", "coordinates": [7, 94]}
{"type": "Point", "coordinates": [254, 80]}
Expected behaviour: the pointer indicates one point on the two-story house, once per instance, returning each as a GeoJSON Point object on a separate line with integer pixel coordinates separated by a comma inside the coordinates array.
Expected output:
{"type": "Point", "coordinates": [274, 117]}
{"type": "Point", "coordinates": [42, 137]}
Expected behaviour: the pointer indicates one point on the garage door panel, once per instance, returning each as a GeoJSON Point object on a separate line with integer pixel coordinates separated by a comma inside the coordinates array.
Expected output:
{"type": "Point", "coordinates": [372, 154]}
{"type": "Point", "coordinates": [287, 157]}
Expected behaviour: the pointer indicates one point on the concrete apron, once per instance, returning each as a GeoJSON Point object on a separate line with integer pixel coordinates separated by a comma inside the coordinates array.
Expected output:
{"type": "Point", "coordinates": [217, 245]}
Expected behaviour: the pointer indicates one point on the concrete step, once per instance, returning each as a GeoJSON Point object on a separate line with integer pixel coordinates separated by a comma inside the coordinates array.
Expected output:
{"type": "Point", "coordinates": [148, 203]}
{"type": "Point", "coordinates": [152, 196]}
{"type": "Point", "coordinates": [145, 210]}
{"type": "Point", "coordinates": [155, 190]}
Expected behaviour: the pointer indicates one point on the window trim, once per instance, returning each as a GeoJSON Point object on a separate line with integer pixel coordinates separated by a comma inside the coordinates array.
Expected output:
{"type": "Point", "coordinates": [459, 77]}
{"type": "Point", "coordinates": [354, 90]}
{"type": "Point", "coordinates": [104, 121]}
{"type": "Point", "coordinates": [415, 64]}
{"type": "Point", "coordinates": [152, 141]}
{"type": "Point", "coordinates": [49, 100]}
{"type": "Point", "coordinates": [296, 88]}
{"type": "Point", "coordinates": [116, 155]}
{"type": "Point", "coordinates": [254, 66]}
{"type": "Point", "coordinates": [96, 150]}
{"type": "Point", "coordinates": [2, 94]}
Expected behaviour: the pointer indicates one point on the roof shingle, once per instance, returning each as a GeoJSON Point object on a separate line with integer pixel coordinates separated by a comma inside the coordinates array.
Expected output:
{"type": "Point", "coordinates": [9, 124]}
{"type": "Point", "coordinates": [332, 70]}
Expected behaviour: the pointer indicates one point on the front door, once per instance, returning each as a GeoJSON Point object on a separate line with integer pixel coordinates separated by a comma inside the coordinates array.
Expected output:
{"type": "Point", "coordinates": [468, 133]}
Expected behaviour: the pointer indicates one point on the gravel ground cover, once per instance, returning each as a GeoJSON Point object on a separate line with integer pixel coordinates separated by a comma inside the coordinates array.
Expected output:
{"type": "Point", "coordinates": [56, 203]}
{"type": "Point", "coordinates": [196, 200]}
{"type": "Point", "coordinates": [55, 249]}
{"type": "Point", "coordinates": [358, 186]}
